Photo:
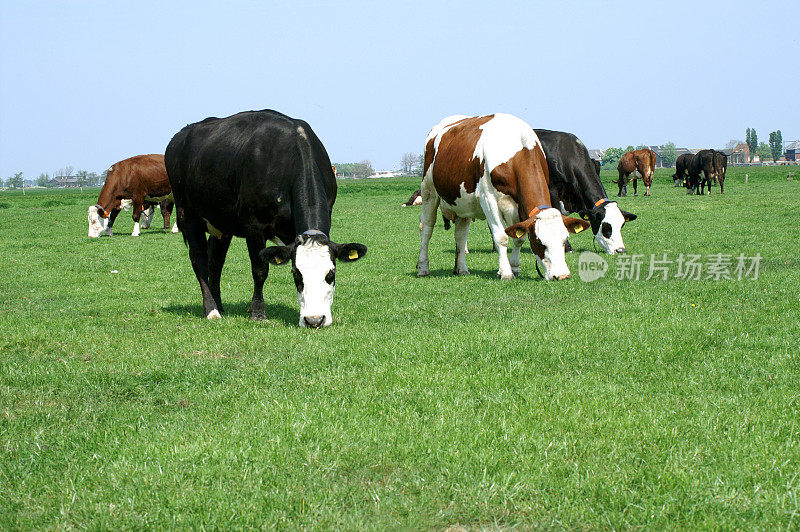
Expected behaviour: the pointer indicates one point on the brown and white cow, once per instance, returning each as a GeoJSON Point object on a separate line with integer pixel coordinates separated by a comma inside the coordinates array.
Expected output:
{"type": "Point", "coordinates": [139, 181]}
{"type": "Point", "coordinates": [493, 167]}
{"type": "Point", "coordinates": [642, 161]}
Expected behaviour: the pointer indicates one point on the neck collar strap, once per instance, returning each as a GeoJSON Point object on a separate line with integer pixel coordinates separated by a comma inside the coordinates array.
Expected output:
{"type": "Point", "coordinates": [538, 209]}
{"type": "Point", "coordinates": [101, 211]}
{"type": "Point", "coordinates": [601, 202]}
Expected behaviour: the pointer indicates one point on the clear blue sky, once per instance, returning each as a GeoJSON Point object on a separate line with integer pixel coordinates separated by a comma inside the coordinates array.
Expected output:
{"type": "Point", "coordinates": [88, 83]}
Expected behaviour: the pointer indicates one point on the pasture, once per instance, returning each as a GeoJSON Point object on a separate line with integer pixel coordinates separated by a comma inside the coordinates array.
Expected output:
{"type": "Point", "coordinates": [428, 403]}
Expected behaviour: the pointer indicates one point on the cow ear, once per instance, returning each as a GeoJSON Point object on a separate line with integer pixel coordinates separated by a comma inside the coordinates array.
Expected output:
{"type": "Point", "coordinates": [276, 254]}
{"type": "Point", "coordinates": [629, 216]}
{"type": "Point", "coordinates": [349, 252]}
{"type": "Point", "coordinates": [521, 229]}
{"type": "Point", "coordinates": [575, 225]}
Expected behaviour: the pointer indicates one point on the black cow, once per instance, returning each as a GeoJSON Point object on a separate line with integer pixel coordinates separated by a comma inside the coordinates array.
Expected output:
{"type": "Point", "coordinates": [720, 166]}
{"type": "Point", "coordinates": [258, 175]}
{"type": "Point", "coordinates": [681, 169]}
{"type": "Point", "coordinates": [576, 187]}
{"type": "Point", "coordinates": [703, 161]}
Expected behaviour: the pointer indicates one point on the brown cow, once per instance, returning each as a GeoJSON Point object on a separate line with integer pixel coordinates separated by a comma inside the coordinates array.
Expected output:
{"type": "Point", "coordinates": [140, 181]}
{"type": "Point", "coordinates": [642, 161]}
{"type": "Point", "coordinates": [493, 167]}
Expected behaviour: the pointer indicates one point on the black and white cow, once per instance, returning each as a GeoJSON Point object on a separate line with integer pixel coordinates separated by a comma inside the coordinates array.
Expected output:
{"type": "Point", "coordinates": [576, 187]}
{"type": "Point", "coordinates": [681, 169]}
{"type": "Point", "coordinates": [258, 175]}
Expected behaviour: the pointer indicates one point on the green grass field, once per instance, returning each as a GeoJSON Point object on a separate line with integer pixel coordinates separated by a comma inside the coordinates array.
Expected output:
{"type": "Point", "coordinates": [428, 403]}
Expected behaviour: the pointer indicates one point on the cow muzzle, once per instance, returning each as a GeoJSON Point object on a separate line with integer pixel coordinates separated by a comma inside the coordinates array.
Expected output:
{"type": "Point", "coordinates": [313, 322]}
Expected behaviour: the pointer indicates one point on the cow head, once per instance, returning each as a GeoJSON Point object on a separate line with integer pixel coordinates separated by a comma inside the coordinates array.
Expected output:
{"type": "Point", "coordinates": [607, 220]}
{"type": "Point", "coordinates": [98, 221]}
{"type": "Point", "coordinates": [313, 257]}
{"type": "Point", "coordinates": [548, 230]}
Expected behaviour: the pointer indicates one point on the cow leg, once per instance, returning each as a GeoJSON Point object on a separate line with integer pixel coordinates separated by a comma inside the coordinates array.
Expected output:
{"type": "Point", "coordinates": [513, 258]}
{"type": "Point", "coordinates": [427, 220]}
{"type": "Point", "coordinates": [721, 181]}
{"type": "Point", "coordinates": [622, 185]}
{"type": "Point", "coordinates": [635, 179]}
{"type": "Point", "coordinates": [217, 250]}
{"type": "Point", "coordinates": [260, 269]}
{"type": "Point", "coordinates": [496, 225]}
{"type": "Point", "coordinates": [195, 234]}
{"type": "Point", "coordinates": [137, 213]}
{"type": "Point", "coordinates": [461, 232]}
{"type": "Point", "coordinates": [166, 212]}
{"type": "Point", "coordinates": [148, 215]}
{"type": "Point", "coordinates": [111, 218]}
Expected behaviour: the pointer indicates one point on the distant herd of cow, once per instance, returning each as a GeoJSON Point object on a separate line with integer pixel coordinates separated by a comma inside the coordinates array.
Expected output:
{"type": "Point", "coordinates": [261, 175]}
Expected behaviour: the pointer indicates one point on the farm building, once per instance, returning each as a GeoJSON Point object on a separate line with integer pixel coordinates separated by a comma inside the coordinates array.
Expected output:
{"type": "Point", "coordinates": [678, 152]}
{"type": "Point", "coordinates": [791, 150]}
{"type": "Point", "coordinates": [740, 154]}
{"type": "Point", "coordinates": [596, 154]}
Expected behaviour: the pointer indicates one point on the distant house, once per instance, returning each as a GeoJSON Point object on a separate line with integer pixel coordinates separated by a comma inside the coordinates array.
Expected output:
{"type": "Point", "coordinates": [596, 154]}
{"type": "Point", "coordinates": [739, 154]}
{"type": "Point", "coordinates": [659, 150]}
{"type": "Point", "coordinates": [792, 150]}
{"type": "Point", "coordinates": [66, 181]}
{"type": "Point", "coordinates": [385, 173]}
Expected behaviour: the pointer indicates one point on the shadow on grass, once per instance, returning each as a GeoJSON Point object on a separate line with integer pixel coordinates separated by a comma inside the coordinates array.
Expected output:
{"type": "Point", "coordinates": [275, 311]}
{"type": "Point", "coordinates": [483, 274]}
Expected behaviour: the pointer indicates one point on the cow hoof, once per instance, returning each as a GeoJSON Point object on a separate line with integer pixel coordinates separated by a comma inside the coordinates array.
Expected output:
{"type": "Point", "coordinates": [213, 315]}
{"type": "Point", "coordinates": [460, 272]}
{"type": "Point", "coordinates": [506, 277]}
{"type": "Point", "coordinates": [515, 271]}
{"type": "Point", "coordinates": [423, 273]}
{"type": "Point", "coordinates": [258, 316]}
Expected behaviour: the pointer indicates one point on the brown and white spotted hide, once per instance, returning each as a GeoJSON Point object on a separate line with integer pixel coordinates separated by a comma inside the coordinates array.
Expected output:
{"type": "Point", "coordinates": [493, 167]}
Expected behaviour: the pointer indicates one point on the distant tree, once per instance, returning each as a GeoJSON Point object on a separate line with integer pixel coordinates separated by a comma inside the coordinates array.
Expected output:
{"type": "Point", "coordinates": [626, 150]}
{"type": "Point", "coordinates": [733, 143]}
{"type": "Point", "coordinates": [669, 154]}
{"type": "Point", "coordinates": [362, 169]}
{"type": "Point", "coordinates": [16, 181]}
{"type": "Point", "coordinates": [612, 156]}
{"type": "Point", "coordinates": [763, 151]}
{"type": "Point", "coordinates": [776, 145]}
{"type": "Point", "coordinates": [1, 182]}
{"type": "Point", "coordinates": [43, 179]}
{"type": "Point", "coordinates": [642, 147]}
{"type": "Point", "coordinates": [82, 178]}
{"type": "Point", "coordinates": [409, 164]}
{"type": "Point", "coordinates": [752, 142]}
{"type": "Point", "coordinates": [94, 179]}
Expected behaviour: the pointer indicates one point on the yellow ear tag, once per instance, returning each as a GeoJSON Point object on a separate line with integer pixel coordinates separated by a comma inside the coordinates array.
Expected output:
{"type": "Point", "coordinates": [520, 233]}
{"type": "Point", "coordinates": [353, 254]}
{"type": "Point", "coordinates": [579, 229]}
{"type": "Point", "coordinates": [277, 260]}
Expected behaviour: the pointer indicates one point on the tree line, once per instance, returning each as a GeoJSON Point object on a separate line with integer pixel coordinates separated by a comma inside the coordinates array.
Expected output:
{"type": "Point", "coordinates": [81, 178]}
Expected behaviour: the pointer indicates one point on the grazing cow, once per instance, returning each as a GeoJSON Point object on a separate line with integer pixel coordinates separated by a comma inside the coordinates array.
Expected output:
{"type": "Point", "coordinates": [575, 187]}
{"type": "Point", "coordinates": [258, 175]}
{"type": "Point", "coordinates": [139, 181]}
{"type": "Point", "coordinates": [703, 161]}
{"type": "Point", "coordinates": [415, 199]}
{"type": "Point", "coordinates": [493, 167]}
{"type": "Point", "coordinates": [720, 167]}
{"type": "Point", "coordinates": [681, 168]}
{"type": "Point", "coordinates": [642, 161]}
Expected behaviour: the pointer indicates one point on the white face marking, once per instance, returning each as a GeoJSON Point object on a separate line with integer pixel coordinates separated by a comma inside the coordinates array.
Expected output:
{"type": "Point", "coordinates": [615, 220]}
{"type": "Point", "coordinates": [135, 229]}
{"type": "Point", "coordinates": [552, 233]}
{"type": "Point", "coordinates": [97, 224]}
{"type": "Point", "coordinates": [313, 263]}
